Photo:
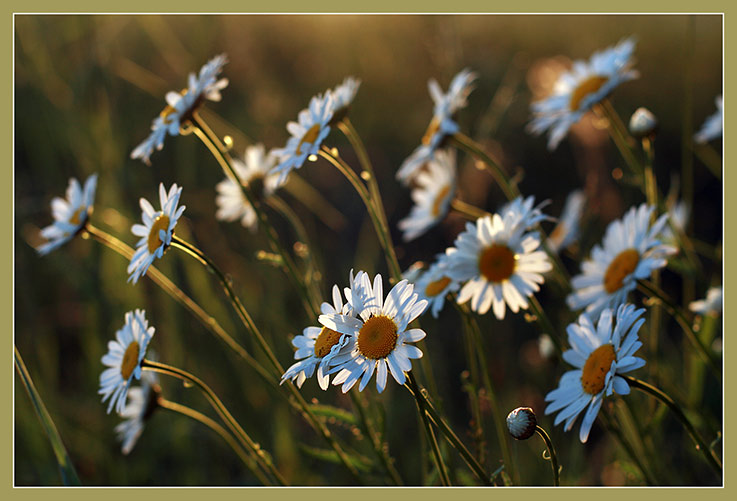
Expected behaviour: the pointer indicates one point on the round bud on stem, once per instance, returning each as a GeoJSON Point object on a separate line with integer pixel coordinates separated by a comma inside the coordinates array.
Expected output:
{"type": "Point", "coordinates": [521, 423]}
{"type": "Point", "coordinates": [643, 123]}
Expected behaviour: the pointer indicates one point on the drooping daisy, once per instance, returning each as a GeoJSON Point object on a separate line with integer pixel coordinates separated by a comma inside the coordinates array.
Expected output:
{"type": "Point", "coordinates": [307, 135]}
{"type": "Point", "coordinates": [577, 90]}
{"type": "Point", "coordinates": [432, 195]}
{"type": "Point", "coordinates": [343, 96]}
{"type": "Point", "coordinates": [500, 263]}
{"type": "Point", "coordinates": [378, 336]}
{"type": "Point", "coordinates": [599, 354]}
{"type": "Point", "coordinates": [256, 172]}
{"type": "Point", "coordinates": [442, 123]}
{"type": "Point", "coordinates": [180, 106]}
{"type": "Point", "coordinates": [70, 215]}
{"type": "Point", "coordinates": [124, 358]}
{"type": "Point", "coordinates": [156, 231]}
{"type": "Point", "coordinates": [567, 230]}
{"type": "Point", "coordinates": [435, 284]}
{"type": "Point", "coordinates": [631, 251]}
{"type": "Point", "coordinates": [678, 214]}
{"type": "Point", "coordinates": [317, 346]}
{"type": "Point", "coordinates": [142, 401]}
{"type": "Point", "coordinates": [525, 208]}
{"type": "Point", "coordinates": [712, 305]}
{"type": "Point", "coordinates": [712, 127]}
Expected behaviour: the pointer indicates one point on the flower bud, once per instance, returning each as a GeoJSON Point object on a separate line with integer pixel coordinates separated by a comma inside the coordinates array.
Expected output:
{"type": "Point", "coordinates": [521, 423]}
{"type": "Point", "coordinates": [643, 123]}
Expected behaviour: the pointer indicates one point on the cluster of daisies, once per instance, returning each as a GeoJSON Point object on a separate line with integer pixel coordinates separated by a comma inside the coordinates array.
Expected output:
{"type": "Point", "coordinates": [497, 263]}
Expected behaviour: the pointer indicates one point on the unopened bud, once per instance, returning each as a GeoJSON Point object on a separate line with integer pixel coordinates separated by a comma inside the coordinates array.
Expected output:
{"type": "Point", "coordinates": [521, 423]}
{"type": "Point", "coordinates": [643, 123]}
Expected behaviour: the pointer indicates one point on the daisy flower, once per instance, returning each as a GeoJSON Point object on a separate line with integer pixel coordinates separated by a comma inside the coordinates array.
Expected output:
{"type": "Point", "coordinates": [256, 173]}
{"type": "Point", "coordinates": [712, 305]}
{"type": "Point", "coordinates": [180, 106]}
{"type": "Point", "coordinates": [712, 127]}
{"type": "Point", "coordinates": [567, 230]}
{"type": "Point", "coordinates": [156, 231]}
{"type": "Point", "coordinates": [442, 123]}
{"type": "Point", "coordinates": [142, 400]}
{"type": "Point", "coordinates": [500, 263]}
{"type": "Point", "coordinates": [317, 346]}
{"type": "Point", "coordinates": [343, 96]}
{"type": "Point", "coordinates": [70, 215]}
{"type": "Point", "coordinates": [631, 251]}
{"type": "Point", "coordinates": [678, 214]}
{"type": "Point", "coordinates": [378, 336]}
{"type": "Point", "coordinates": [600, 354]}
{"type": "Point", "coordinates": [577, 90]}
{"type": "Point", "coordinates": [525, 209]}
{"type": "Point", "coordinates": [435, 284]}
{"type": "Point", "coordinates": [124, 358]}
{"type": "Point", "coordinates": [307, 135]}
{"type": "Point", "coordinates": [432, 195]}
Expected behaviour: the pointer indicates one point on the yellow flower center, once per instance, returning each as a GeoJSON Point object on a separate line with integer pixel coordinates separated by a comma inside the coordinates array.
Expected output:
{"type": "Point", "coordinates": [439, 201]}
{"type": "Point", "coordinates": [130, 360]}
{"type": "Point", "coordinates": [431, 130]}
{"type": "Point", "coordinates": [596, 368]}
{"type": "Point", "coordinates": [378, 337]}
{"type": "Point", "coordinates": [620, 267]}
{"type": "Point", "coordinates": [160, 223]}
{"type": "Point", "coordinates": [325, 341]}
{"type": "Point", "coordinates": [168, 110]}
{"type": "Point", "coordinates": [436, 287]}
{"type": "Point", "coordinates": [588, 86]}
{"type": "Point", "coordinates": [76, 217]}
{"type": "Point", "coordinates": [497, 263]}
{"type": "Point", "coordinates": [309, 137]}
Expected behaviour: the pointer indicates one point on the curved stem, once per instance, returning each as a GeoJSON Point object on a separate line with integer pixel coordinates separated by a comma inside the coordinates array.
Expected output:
{"type": "Point", "coordinates": [495, 169]}
{"type": "Point", "coordinates": [214, 426]}
{"type": "Point", "coordinates": [551, 452]}
{"type": "Point", "coordinates": [222, 411]}
{"type": "Point", "coordinates": [708, 453]}
{"type": "Point", "coordinates": [468, 211]}
{"type": "Point", "coordinates": [251, 326]}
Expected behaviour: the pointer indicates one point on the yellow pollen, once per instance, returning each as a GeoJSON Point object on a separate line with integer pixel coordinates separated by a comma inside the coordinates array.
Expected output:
{"type": "Point", "coordinates": [160, 223]}
{"type": "Point", "coordinates": [588, 86]}
{"type": "Point", "coordinates": [620, 267]}
{"type": "Point", "coordinates": [436, 287]}
{"type": "Point", "coordinates": [439, 201]}
{"type": "Point", "coordinates": [431, 130]}
{"type": "Point", "coordinates": [378, 337]}
{"type": "Point", "coordinates": [325, 341]}
{"type": "Point", "coordinates": [309, 137]}
{"type": "Point", "coordinates": [130, 360]}
{"type": "Point", "coordinates": [596, 368]}
{"type": "Point", "coordinates": [497, 263]}
{"type": "Point", "coordinates": [75, 219]}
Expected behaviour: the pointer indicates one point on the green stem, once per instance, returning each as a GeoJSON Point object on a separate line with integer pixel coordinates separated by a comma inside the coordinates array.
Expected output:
{"type": "Point", "coordinates": [627, 447]}
{"type": "Point", "coordinates": [251, 326]}
{"type": "Point", "coordinates": [651, 291]}
{"type": "Point", "coordinates": [545, 325]}
{"type": "Point", "coordinates": [651, 192]}
{"type": "Point", "coordinates": [214, 426]}
{"type": "Point", "coordinates": [261, 457]}
{"type": "Point", "coordinates": [551, 452]}
{"type": "Point", "coordinates": [708, 453]}
{"type": "Point", "coordinates": [620, 136]}
{"type": "Point", "coordinates": [472, 147]}
{"type": "Point", "coordinates": [468, 211]}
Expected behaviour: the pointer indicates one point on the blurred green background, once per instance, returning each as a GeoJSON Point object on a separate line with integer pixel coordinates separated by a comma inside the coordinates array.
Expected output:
{"type": "Point", "coordinates": [86, 90]}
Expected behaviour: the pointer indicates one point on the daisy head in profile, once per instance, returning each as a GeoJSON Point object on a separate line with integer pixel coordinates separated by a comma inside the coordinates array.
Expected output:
{"type": "Point", "coordinates": [308, 133]}
{"type": "Point", "coordinates": [318, 346]}
{"type": "Point", "coordinates": [256, 172]}
{"type": "Point", "coordinates": [600, 354]}
{"type": "Point", "coordinates": [70, 215]}
{"type": "Point", "coordinates": [576, 91]}
{"type": "Point", "coordinates": [434, 285]}
{"type": "Point", "coordinates": [156, 231]}
{"type": "Point", "coordinates": [378, 333]}
{"type": "Point", "coordinates": [442, 123]}
{"type": "Point", "coordinates": [142, 401]}
{"type": "Point", "coordinates": [712, 127]}
{"type": "Point", "coordinates": [567, 230]}
{"type": "Point", "coordinates": [343, 96]}
{"type": "Point", "coordinates": [500, 262]}
{"type": "Point", "coordinates": [180, 106]}
{"type": "Point", "coordinates": [630, 251]}
{"type": "Point", "coordinates": [711, 305]}
{"type": "Point", "coordinates": [433, 191]}
{"type": "Point", "coordinates": [123, 359]}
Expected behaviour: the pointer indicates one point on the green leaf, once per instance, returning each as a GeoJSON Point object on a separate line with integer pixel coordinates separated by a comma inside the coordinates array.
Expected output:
{"type": "Point", "coordinates": [330, 412]}
{"type": "Point", "coordinates": [66, 468]}
{"type": "Point", "coordinates": [361, 463]}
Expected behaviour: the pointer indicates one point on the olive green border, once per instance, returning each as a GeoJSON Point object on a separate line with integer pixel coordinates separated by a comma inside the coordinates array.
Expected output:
{"type": "Point", "coordinates": [471, 6]}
